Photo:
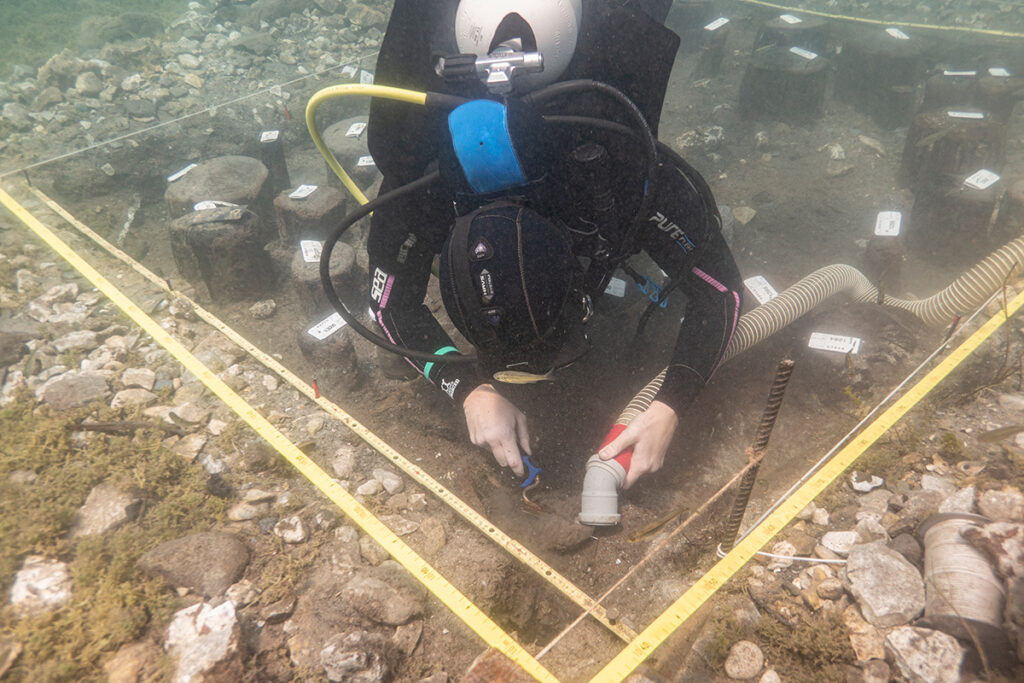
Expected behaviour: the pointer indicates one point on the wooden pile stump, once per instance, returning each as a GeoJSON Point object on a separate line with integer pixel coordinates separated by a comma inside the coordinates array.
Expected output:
{"type": "Point", "coordinates": [951, 89]}
{"type": "Point", "coordinates": [786, 85]}
{"type": "Point", "coordinates": [220, 251]}
{"type": "Point", "coordinates": [311, 218]}
{"type": "Point", "coordinates": [879, 71]}
{"type": "Point", "coordinates": [687, 19]}
{"type": "Point", "coordinates": [347, 140]}
{"type": "Point", "coordinates": [953, 223]}
{"type": "Point", "coordinates": [1010, 222]}
{"type": "Point", "coordinates": [1000, 95]}
{"type": "Point", "coordinates": [790, 30]}
{"type": "Point", "coordinates": [714, 37]}
{"type": "Point", "coordinates": [232, 179]}
{"type": "Point", "coordinates": [945, 144]}
{"type": "Point", "coordinates": [305, 277]}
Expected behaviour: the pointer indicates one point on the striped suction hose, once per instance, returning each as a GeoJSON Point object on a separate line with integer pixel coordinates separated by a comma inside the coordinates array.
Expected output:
{"type": "Point", "coordinates": [967, 292]}
{"type": "Point", "coordinates": [970, 290]}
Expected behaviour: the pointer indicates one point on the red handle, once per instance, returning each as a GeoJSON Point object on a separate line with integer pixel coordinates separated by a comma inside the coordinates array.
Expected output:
{"type": "Point", "coordinates": [625, 457]}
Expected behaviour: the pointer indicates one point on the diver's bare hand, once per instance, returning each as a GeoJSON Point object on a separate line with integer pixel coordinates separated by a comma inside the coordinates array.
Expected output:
{"type": "Point", "coordinates": [497, 424]}
{"type": "Point", "coordinates": [649, 434]}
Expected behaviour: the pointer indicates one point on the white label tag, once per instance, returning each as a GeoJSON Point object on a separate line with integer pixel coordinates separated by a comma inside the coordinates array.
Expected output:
{"type": "Point", "coordinates": [349, 71]}
{"type": "Point", "coordinates": [806, 54]}
{"type": "Point", "coordinates": [356, 129]}
{"type": "Point", "coordinates": [888, 223]}
{"type": "Point", "coordinates": [959, 72]}
{"type": "Point", "coordinates": [366, 161]}
{"type": "Point", "coordinates": [999, 72]}
{"type": "Point", "coordinates": [966, 114]}
{"type": "Point", "coordinates": [180, 174]}
{"type": "Point", "coordinates": [616, 287]}
{"type": "Point", "coordinates": [303, 191]}
{"type": "Point", "coordinates": [896, 33]}
{"type": "Point", "coordinates": [834, 342]}
{"type": "Point", "coordinates": [270, 135]}
{"type": "Point", "coordinates": [366, 78]}
{"type": "Point", "coordinates": [716, 24]}
{"type": "Point", "coordinates": [326, 328]}
{"type": "Point", "coordinates": [311, 250]}
{"type": "Point", "coordinates": [208, 204]}
{"type": "Point", "coordinates": [761, 289]}
{"type": "Point", "coordinates": [790, 19]}
{"type": "Point", "coordinates": [982, 180]}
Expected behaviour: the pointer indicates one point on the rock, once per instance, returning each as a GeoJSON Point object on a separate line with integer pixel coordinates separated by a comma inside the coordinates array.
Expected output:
{"type": "Point", "coordinates": [188, 61]}
{"type": "Point", "coordinates": [889, 589]}
{"type": "Point", "coordinates": [745, 660]}
{"type": "Point", "coordinates": [865, 483]}
{"type": "Point", "coordinates": [866, 640]}
{"type": "Point", "coordinates": [433, 534]}
{"type": "Point", "coordinates": [291, 530]}
{"type": "Point", "coordinates": [908, 546]}
{"type": "Point", "coordinates": [190, 414]}
{"type": "Point", "coordinates": [261, 310]}
{"type": "Point", "coordinates": [47, 98]}
{"type": "Point", "coordinates": [279, 611]}
{"type": "Point", "coordinates": [371, 551]}
{"type": "Point", "coordinates": [870, 529]}
{"type": "Point", "coordinates": [79, 340]}
{"type": "Point", "coordinates": [358, 657]}
{"type": "Point", "coordinates": [207, 563]}
{"type": "Point", "coordinates": [925, 656]}
{"type": "Point", "coordinates": [131, 83]}
{"type": "Point", "coordinates": [786, 551]}
{"type": "Point", "coordinates": [830, 589]}
{"type": "Point", "coordinates": [369, 488]}
{"type": "Point", "coordinates": [820, 517]}
{"type": "Point", "coordinates": [205, 643]}
{"type": "Point", "coordinates": [770, 676]}
{"type": "Point", "coordinates": [407, 637]}
{"type": "Point", "coordinates": [344, 462]}
{"type": "Point", "coordinates": [134, 662]}
{"type": "Point", "coordinates": [245, 511]}
{"type": "Point", "coordinates": [189, 446]}
{"type": "Point", "coordinates": [105, 509]}
{"type": "Point", "coordinates": [1002, 506]}
{"type": "Point", "coordinates": [391, 482]}
{"type": "Point", "coordinates": [1013, 402]}
{"type": "Point", "coordinates": [16, 115]}
{"type": "Point", "coordinates": [73, 389]}
{"type": "Point", "coordinates": [921, 504]}
{"type": "Point", "coordinates": [743, 214]}
{"type": "Point", "coordinates": [41, 585]}
{"type": "Point", "coordinates": [1002, 543]}
{"type": "Point", "coordinates": [381, 602]}
{"type": "Point", "coordinates": [931, 482]}
{"type": "Point", "coordinates": [400, 525]}
{"type": "Point", "coordinates": [88, 84]}
{"type": "Point", "coordinates": [127, 398]}
{"type": "Point", "coordinates": [142, 378]}
{"type": "Point", "coordinates": [242, 593]}
{"type": "Point", "coordinates": [960, 501]}
{"type": "Point", "coordinates": [839, 542]}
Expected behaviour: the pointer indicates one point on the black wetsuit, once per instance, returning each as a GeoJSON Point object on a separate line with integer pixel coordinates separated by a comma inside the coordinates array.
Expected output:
{"type": "Point", "coordinates": [681, 233]}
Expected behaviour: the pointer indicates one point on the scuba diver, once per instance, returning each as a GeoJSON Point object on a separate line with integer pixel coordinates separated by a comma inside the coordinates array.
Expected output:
{"type": "Point", "coordinates": [550, 179]}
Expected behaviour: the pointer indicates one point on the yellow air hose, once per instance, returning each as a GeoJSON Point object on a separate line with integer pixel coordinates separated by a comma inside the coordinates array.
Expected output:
{"type": "Point", "coordinates": [350, 89]}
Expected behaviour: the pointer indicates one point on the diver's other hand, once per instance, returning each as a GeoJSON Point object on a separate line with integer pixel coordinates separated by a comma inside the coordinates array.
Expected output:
{"type": "Point", "coordinates": [497, 424]}
{"type": "Point", "coordinates": [649, 434]}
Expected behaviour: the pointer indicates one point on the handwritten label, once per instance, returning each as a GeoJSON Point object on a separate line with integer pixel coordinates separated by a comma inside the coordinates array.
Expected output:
{"type": "Point", "coordinates": [303, 191]}
{"type": "Point", "coordinates": [790, 19]}
{"type": "Point", "coordinates": [999, 72]}
{"type": "Point", "coordinates": [888, 223]}
{"type": "Point", "coordinates": [966, 114]}
{"type": "Point", "coordinates": [761, 289]}
{"type": "Point", "coordinates": [208, 204]}
{"type": "Point", "coordinates": [982, 180]}
{"type": "Point", "coordinates": [349, 71]}
{"type": "Point", "coordinates": [356, 129]}
{"type": "Point", "coordinates": [616, 287]}
{"type": "Point", "coordinates": [326, 328]}
{"type": "Point", "coordinates": [180, 174]}
{"type": "Point", "coordinates": [311, 250]}
{"type": "Point", "coordinates": [834, 342]}
{"type": "Point", "coordinates": [959, 72]}
{"type": "Point", "coordinates": [806, 54]}
{"type": "Point", "coordinates": [897, 34]}
{"type": "Point", "coordinates": [270, 135]}
{"type": "Point", "coordinates": [716, 24]}
{"type": "Point", "coordinates": [366, 161]}
{"type": "Point", "coordinates": [366, 78]}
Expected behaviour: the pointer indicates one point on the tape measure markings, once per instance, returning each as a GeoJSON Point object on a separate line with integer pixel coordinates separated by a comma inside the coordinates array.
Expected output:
{"type": "Point", "coordinates": [513, 547]}
{"type": "Point", "coordinates": [663, 626]}
{"type": "Point", "coordinates": [469, 613]}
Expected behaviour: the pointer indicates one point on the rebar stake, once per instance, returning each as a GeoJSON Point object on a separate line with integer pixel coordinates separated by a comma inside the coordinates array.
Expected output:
{"type": "Point", "coordinates": [756, 452]}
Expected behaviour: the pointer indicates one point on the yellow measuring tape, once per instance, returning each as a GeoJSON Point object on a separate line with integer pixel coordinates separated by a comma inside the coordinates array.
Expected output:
{"type": "Point", "coordinates": [880, 22]}
{"type": "Point", "coordinates": [513, 547]}
{"type": "Point", "coordinates": [463, 608]}
{"type": "Point", "coordinates": [662, 627]}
